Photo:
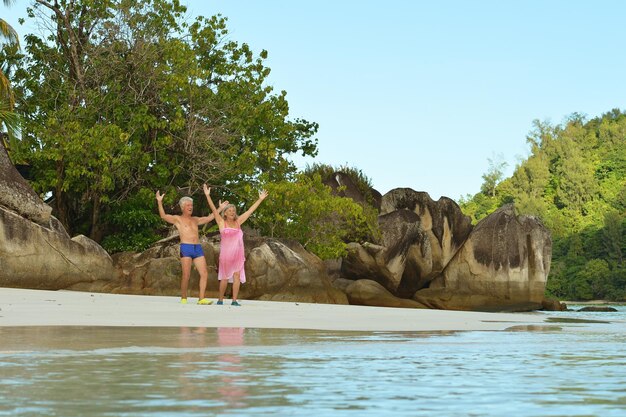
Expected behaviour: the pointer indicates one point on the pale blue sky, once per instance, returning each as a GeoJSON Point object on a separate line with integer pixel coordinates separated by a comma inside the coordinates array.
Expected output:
{"type": "Point", "coordinates": [420, 94]}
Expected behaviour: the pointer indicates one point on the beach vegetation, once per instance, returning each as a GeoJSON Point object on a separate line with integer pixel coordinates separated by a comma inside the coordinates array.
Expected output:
{"type": "Point", "coordinates": [574, 181]}
{"type": "Point", "coordinates": [306, 210]}
{"type": "Point", "coordinates": [9, 119]}
{"type": "Point", "coordinates": [362, 182]}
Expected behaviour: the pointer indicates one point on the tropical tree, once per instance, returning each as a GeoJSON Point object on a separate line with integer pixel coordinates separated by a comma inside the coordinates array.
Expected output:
{"type": "Point", "coordinates": [126, 96]}
{"type": "Point", "coordinates": [306, 210]}
{"type": "Point", "coordinates": [359, 179]}
{"type": "Point", "coordinates": [493, 176]}
{"type": "Point", "coordinates": [7, 35]}
{"type": "Point", "coordinates": [9, 121]}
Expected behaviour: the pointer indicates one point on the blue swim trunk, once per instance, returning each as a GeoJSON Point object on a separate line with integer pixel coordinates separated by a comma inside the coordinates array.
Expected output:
{"type": "Point", "coordinates": [190, 250]}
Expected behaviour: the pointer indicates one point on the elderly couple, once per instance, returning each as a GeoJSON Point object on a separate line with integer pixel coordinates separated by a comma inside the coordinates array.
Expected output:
{"type": "Point", "coordinates": [231, 263]}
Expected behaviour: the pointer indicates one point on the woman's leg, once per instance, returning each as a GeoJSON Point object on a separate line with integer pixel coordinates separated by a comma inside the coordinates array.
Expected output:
{"type": "Point", "coordinates": [236, 284]}
{"type": "Point", "coordinates": [223, 285]}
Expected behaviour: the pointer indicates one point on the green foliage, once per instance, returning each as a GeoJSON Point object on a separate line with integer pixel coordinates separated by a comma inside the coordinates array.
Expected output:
{"type": "Point", "coordinates": [362, 182]}
{"type": "Point", "coordinates": [613, 236]}
{"type": "Point", "coordinates": [125, 95]}
{"type": "Point", "coordinates": [494, 192]}
{"type": "Point", "coordinates": [595, 279]}
{"type": "Point", "coordinates": [8, 36]}
{"type": "Point", "coordinates": [135, 224]}
{"type": "Point", "coordinates": [9, 123]}
{"type": "Point", "coordinates": [9, 120]}
{"type": "Point", "coordinates": [156, 103]}
{"type": "Point", "coordinates": [478, 206]}
{"type": "Point", "coordinates": [493, 176]}
{"type": "Point", "coordinates": [307, 211]}
{"type": "Point", "coordinates": [574, 180]}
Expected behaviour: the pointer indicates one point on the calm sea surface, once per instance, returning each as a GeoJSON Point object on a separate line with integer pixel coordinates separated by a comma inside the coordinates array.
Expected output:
{"type": "Point", "coordinates": [565, 368]}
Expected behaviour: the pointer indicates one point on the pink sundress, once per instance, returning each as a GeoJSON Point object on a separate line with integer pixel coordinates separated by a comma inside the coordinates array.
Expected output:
{"type": "Point", "coordinates": [232, 257]}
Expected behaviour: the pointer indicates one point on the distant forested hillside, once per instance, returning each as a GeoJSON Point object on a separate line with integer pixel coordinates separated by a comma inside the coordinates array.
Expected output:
{"type": "Point", "coordinates": [574, 180]}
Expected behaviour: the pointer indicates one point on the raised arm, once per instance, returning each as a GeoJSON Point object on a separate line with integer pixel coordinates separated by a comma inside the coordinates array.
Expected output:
{"type": "Point", "coordinates": [167, 217]}
{"type": "Point", "coordinates": [253, 207]}
{"type": "Point", "coordinates": [210, 217]}
{"type": "Point", "coordinates": [216, 214]}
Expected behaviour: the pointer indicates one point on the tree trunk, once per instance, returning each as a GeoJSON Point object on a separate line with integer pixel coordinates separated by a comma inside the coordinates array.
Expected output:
{"type": "Point", "coordinates": [96, 231]}
{"type": "Point", "coordinates": [61, 207]}
{"type": "Point", "coordinates": [72, 45]}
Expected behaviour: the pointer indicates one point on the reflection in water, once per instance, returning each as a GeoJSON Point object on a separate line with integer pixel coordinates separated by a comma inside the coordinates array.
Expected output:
{"type": "Point", "coordinates": [196, 384]}
{"type": "Point", "coordinates": [190, 340]}
{"type": "Point", "coordinates": [570, 369]}
{"type": "Point", "coordinates": [233, 375]}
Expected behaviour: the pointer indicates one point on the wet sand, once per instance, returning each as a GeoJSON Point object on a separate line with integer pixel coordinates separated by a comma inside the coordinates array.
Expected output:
{"type": "Point", "coordinates": [20, 307]}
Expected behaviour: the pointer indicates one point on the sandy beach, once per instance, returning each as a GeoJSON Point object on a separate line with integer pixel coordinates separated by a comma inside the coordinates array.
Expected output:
{"type": "Point", "coordinates": [20, 307]}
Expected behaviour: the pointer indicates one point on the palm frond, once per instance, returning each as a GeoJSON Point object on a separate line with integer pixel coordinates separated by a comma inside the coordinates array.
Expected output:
{"type": "Point", "coordinates": [8, 33]}
{"type": "Point", "coordinates": [6, 93]}
{"type": "Point", "coordinates": [9, 121]}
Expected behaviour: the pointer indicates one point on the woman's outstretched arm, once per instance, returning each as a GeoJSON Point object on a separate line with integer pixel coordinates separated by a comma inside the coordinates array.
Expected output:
{"type": "Point", "coordinates": [253, 207]}
{"type": "Point", "coordinates": [210, 217]}
{"type": "Point", "coordinates": [218, 218]}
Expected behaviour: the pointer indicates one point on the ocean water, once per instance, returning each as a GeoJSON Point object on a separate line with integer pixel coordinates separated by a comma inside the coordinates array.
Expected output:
{"type": "Point", "coordinates": [575, 365]}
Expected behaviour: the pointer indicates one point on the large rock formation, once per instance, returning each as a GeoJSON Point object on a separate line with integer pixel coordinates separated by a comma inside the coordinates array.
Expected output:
{"type": "Point", "coordinates": [368, 261]}
{"type": "Point", "coordinates": [35, 250]}
{"type": "Point", "coordinates": [419, 237]}
{"type": "Point", "coordinates": [275, 270]}
{"type": "Point", "coordinates": [370, 293]}
{"type": "Point", "coordinates": [427, 252]}
{"type": "Point", "coordinates": [443, 224]}
{"type": "Point", "coordinates": [285, 271]}
{"type": "Point", "coordinates": [503, 265]}
{"type": "Point", "coordinates": [17, 195]}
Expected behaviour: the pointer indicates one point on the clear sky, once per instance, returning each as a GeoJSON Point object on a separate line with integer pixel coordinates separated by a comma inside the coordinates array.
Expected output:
{"type": "Point", "coordinates": [421, 94]}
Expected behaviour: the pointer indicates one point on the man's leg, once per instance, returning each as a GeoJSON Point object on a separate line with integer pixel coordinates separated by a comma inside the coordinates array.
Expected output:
{"type": "Point", "coordinates": [185, 263]}
{"type": "Point", "coordinates": [200, 264]}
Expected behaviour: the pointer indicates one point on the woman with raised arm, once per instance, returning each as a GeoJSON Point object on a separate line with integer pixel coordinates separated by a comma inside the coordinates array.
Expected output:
{"type": "Point", "coordinates": [232, 257]}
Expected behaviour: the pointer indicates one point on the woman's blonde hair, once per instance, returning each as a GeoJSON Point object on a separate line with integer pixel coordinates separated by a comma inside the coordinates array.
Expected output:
{"type": "Point", "coordinates": [231, 206]}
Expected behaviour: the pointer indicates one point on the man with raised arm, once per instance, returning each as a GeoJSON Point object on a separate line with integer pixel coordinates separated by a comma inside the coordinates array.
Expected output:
{"type": "Point", "coordinates": [190, 249]}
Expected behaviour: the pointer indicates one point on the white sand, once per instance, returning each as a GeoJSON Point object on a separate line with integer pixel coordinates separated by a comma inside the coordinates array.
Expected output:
{"type": "Point", "coordinates": [20, 307]}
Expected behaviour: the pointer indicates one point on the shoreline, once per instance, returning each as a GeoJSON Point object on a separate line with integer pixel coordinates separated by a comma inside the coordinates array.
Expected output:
{"type": "Point", "coordinates": [23, 307]}
{"type": "Point", "coordinates": [596, 302]}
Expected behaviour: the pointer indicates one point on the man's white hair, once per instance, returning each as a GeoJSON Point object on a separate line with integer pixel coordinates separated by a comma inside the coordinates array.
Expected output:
{"type": "Point", "coordinates": [184, 200]}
